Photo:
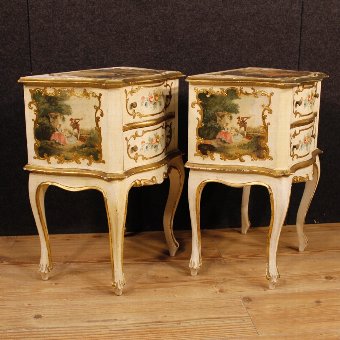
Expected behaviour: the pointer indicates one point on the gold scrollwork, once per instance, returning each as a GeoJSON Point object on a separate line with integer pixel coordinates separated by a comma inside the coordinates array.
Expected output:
{"type": "Point", "coordinates": [143, 182]}
{"type": "Point", "coordinates": [132, 107]}
{"type": "Point", "coordinates": [266, 109]}
{"type": "Point", "coordinates": [300, 179]}
{"type": "Point", "coordinates": [294, 147]}
{"type": "Point", "coordinates": [299, 102]}
{"type": "Point", "coordinates": [55, 92]}
{"type": "Point", "coordinates": [132, 150]}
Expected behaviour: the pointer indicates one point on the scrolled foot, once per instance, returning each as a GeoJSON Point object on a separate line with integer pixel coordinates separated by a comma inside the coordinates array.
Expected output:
{"type": "Point", "coordinates": [194, 266]}
{"type": "Point", "coordinates": [44, 276]}
{"type": "Point", "coordinates": [194, 271]}
{"type": "Point", "coordinates": [44, 270]}
{"type": "Point", "coordinates": [272, 285]}
{"type": "Point", "coordinates": [118, 291]}
{"type": "Point", "coordinates": [118, 287]}
{"type": "Point", "coordinates": [273, 281]}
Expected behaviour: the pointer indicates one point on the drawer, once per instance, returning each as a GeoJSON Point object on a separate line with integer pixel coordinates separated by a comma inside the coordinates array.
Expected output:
{"type": "Point", "coordinates": [305, 102]}
{"type": "Point", "coordinates": [149, 144]}
{"type": "Point", "coordinates": [147, 102]}
{"type": "Point", "coordinates": [302, 141]}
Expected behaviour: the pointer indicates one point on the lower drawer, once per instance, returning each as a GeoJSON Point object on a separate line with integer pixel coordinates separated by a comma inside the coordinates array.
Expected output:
{"type": "Point", "coordinates": [149, 144]}
{"type": "Point", "coordinates": [302, 141]}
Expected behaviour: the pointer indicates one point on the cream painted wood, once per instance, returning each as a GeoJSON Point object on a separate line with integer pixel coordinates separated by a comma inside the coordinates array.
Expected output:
{"type": "Point", "coordinates": [115, 195]}
{"type": "Point", "coordinates": [279, 189]}
{"type": "Point", "coordinates": [105, 129]}
{"type": "Point", "coordinates": [254, 126]}
{"type": "Point", "coordinates": [308, 193]}
{"type": "Point", "coordinates": [245, 222]}
{"type": "Point", "coordinates": [176, 175]}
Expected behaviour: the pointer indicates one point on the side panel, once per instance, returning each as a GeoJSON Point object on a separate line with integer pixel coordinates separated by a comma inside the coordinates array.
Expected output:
{"type": "Point", "coordinates": [234, 125]}
{"type": "Point", "coordinates": [67, 127]}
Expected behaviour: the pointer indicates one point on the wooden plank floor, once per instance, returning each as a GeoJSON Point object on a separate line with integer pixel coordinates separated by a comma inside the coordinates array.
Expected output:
{"type": "Point", "coordinates": [228, 299]}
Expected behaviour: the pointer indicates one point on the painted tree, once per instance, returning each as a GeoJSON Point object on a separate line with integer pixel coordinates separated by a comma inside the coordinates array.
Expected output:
{"type": "Point", "coordinates": [47, 104]}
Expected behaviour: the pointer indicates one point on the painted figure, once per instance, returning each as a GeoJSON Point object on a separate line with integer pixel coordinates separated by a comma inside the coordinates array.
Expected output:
{"type": "Point", "coordinates": [242, 123]}
{"type": "Point", "coordinates": [74, 122]}
{"type": "Point", "coordinates": [58, 135]}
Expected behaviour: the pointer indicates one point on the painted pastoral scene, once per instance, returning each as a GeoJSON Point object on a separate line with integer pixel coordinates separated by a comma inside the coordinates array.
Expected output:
{"type": "Point", "coordinates": [232, 125]}
{"type": "Point", "coordinates": [65, 127]}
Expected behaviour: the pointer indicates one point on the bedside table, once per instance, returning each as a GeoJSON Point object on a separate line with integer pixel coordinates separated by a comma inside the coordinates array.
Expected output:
{"type": "Point", "coordinates": [106, 129]}
{"type": "Point", "coordinates": [254, 126]}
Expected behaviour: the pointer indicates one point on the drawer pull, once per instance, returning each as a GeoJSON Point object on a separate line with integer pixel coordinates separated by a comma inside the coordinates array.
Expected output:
{"type": "Point", "coordinates": [133, 105]}
{"type": "Point", "coordinates": [316, 95]}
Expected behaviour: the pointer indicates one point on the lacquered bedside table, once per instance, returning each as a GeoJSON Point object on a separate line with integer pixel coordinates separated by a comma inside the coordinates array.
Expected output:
{"type": "Point", "coordinates": [106, 129]}
{"type": "Point", "coordinates": [254, 126]}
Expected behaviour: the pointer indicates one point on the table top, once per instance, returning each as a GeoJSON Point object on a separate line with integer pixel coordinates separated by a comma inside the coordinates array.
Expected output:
{"type": "Point", "coordinates": [103, 77]}
{"type": "Point", "coordinates": [257, 74]}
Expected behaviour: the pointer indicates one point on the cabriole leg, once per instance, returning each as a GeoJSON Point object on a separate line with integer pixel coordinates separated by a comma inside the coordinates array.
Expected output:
{"type": "Point", "coordinates": [116, 194]}
{"type": "Point", "coordinates": [310, 188]}
{"type": "Point", "coordinates": [280, 196]}
{"type": "Point", "coordinates": [245, 223]}
{"type": "Point", "coordinates": [195, 187]}
{"type": "Point", "coordinates": [176, 176]}
{"type": "Point", "coordinates": [37, 199]}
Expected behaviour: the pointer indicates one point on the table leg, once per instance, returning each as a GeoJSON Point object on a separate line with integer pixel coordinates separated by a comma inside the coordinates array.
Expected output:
{"type": "Point", "coordinates": [176, 176]}
{"type": "Point", "coordinates": [37, 190]}
{"type": "Point", "coordinates": [116, 195]}
{"type": "Point", "coordinates": [245, 223]}
{"type": "Point", "coordinates": [310, 188]}
{"type": "Point", "coordinates": [280, 190]}
{"type": "Point", "coordinates": [195, 187]}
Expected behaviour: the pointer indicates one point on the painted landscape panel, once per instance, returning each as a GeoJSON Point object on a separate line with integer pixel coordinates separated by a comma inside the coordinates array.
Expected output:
{"type": "Point", "coordinates": [233, 123]}
{"type": "Point", "coordinates": [66, 125]}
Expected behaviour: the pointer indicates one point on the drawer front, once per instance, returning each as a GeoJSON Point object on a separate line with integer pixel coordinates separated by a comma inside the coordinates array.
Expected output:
{"type": "Point", "coordinates": [149, 144]}
{"type": "Point", "coordinates": [147, 102]}
{"type": "Point", "coordinates": [305, 101]}
{"type": "Point", "coordinates": [302, 141]}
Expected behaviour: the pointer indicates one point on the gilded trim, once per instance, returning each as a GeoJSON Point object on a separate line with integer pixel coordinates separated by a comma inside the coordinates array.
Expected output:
{"type": "Point", "coordinates": [238, 169]}
{"type": "Point", "coordinates": [252, 169]}
{"type": "Point", "coordinates": [101, 174]}
{"type": "Point", "coordinates": [97, 115]}
{"type": "Point", "coordinates": [240, 91]}
{"type": "Point", "coordinates": [293, 154]}
{"type": "Point", "coordinates": [130, 107]}
{"type": "Point", "coordinates": [143, 182]}
{"type": "Point", "coordinates": [306, 121]}
{"type": "Point", "coordinates": [304, 86]}
{"type": "Point", "coordinates": [95, 83]}
{"type": "Point", "coordinates": [300, 179]}
{"type": "Point", "coordinates": [133, 149]}
{"type": "Point", "coordinates": [132, 126]}
{"type": "Point", "coordinates": [301, 88]}
{"type": "Point", "coordinates": [304, 164]}
{"type": "Point", "coordinates": [248, 82]}
{"type": "Point", "coordinates": [298, 114]}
